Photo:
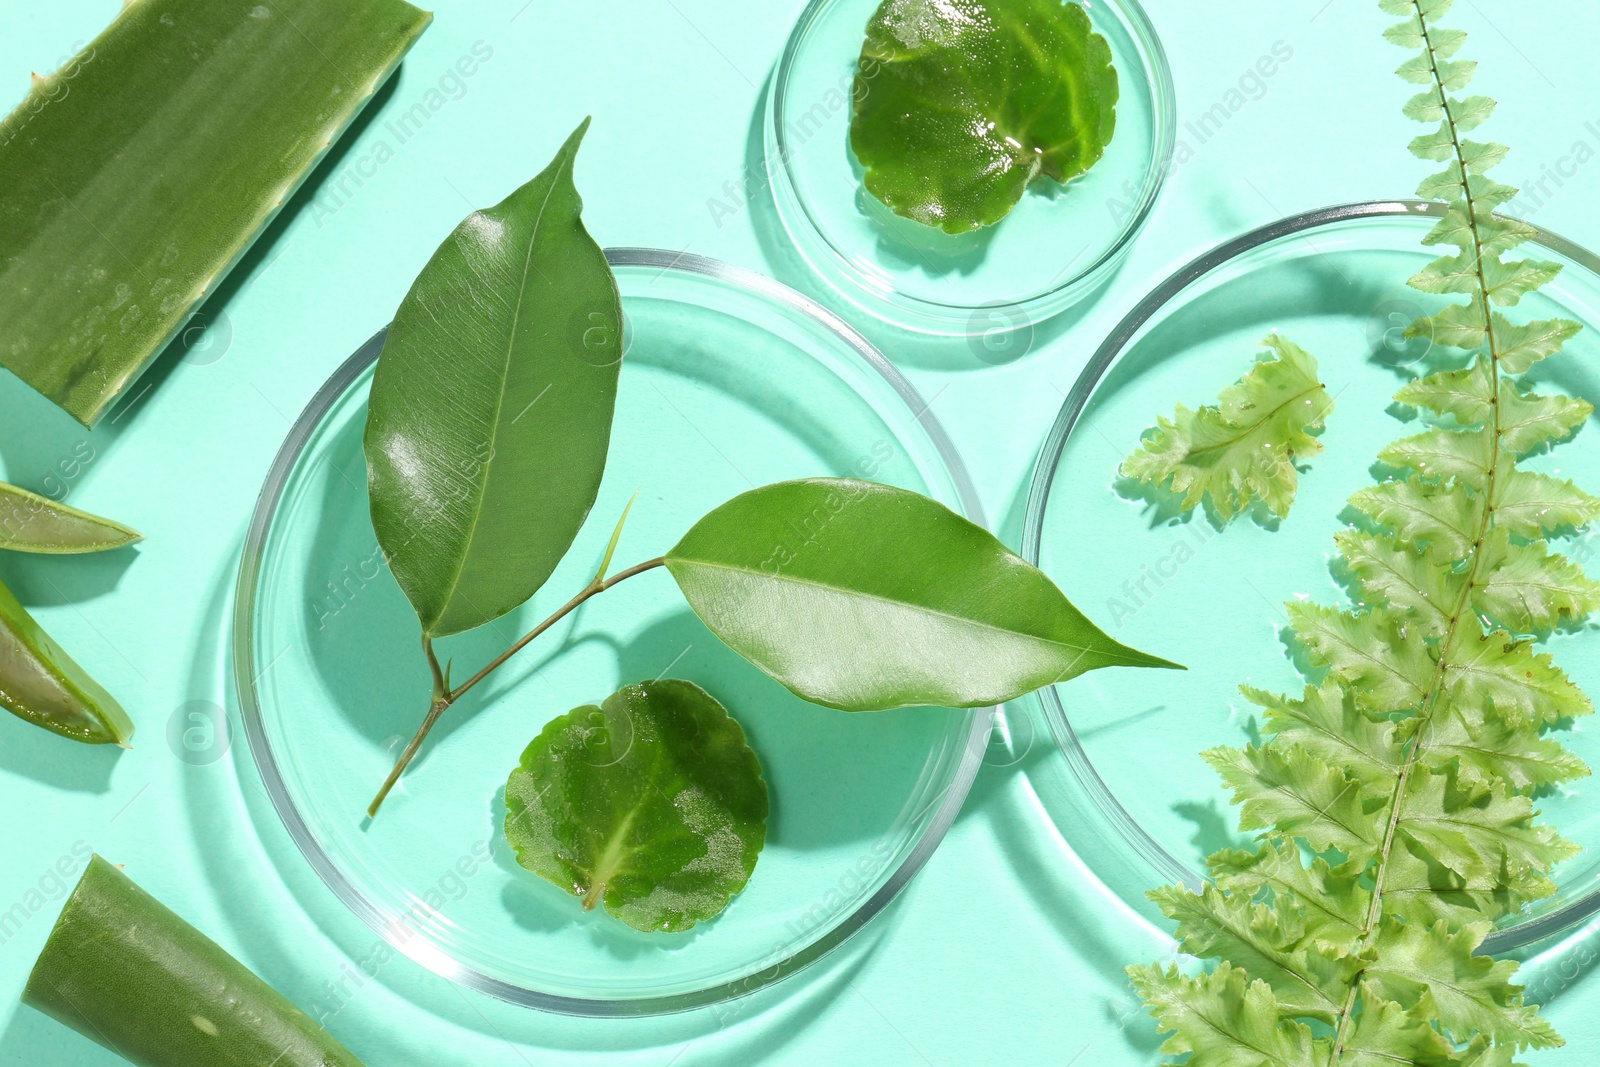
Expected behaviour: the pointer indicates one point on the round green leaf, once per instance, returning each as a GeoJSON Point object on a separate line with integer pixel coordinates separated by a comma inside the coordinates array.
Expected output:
{"type": "Point", "coordinates": [864, 597]}
{"type": "Point", "coordinates": [960, 104]}
{"type": "Point", "coordinates": [651, 803]}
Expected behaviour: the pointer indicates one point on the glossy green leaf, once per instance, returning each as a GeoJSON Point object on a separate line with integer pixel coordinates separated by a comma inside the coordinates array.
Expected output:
{"type": "Point", "coordinates": [960, 104]}
{"type": "Point", "coordinates": [651, 804]}
{"type": "Point", "coordinates": [32, 523]}
{"type": "Point", "coordinates": [40, 683]}
{"type": "Point", "coordinates": [135, 176]}
{"type": "Point", "coordinates": [863, 597]}
{"type": "Point", "coordinates": [491, 405]}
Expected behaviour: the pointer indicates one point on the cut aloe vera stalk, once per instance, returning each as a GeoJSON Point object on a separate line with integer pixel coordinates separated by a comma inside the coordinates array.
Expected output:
{"type": "Point", "coordinates": [39, 682]}
{"type": "Point", "coordinates": [135, 176]}
{"type": "Point", "coordinates": [123, 970]}
{"type": "Point", "coordinates": [33, 523]}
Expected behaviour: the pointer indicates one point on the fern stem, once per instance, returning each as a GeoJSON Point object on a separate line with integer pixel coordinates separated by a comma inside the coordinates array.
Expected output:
{"type": "Point", "coordinates": [1428, 704]}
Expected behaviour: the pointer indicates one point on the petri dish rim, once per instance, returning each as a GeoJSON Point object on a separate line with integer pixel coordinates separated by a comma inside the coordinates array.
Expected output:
{"type": "Point", "coordinates": [386, 923]}
{"type": "Point", "coordinates": [1166, 866]}
{"type": "Point", "coordinates": [953, 319]}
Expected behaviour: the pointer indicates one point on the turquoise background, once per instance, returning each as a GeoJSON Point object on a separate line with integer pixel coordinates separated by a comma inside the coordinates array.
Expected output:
{"type": "Point", "coordinates": [1003, 950]}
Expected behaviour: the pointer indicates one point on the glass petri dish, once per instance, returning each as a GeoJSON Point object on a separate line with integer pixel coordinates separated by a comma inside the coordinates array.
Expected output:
{"type": "Point", "coordinates": [730, 381]}
{"type": "Point", "coordinates": [1135, 800]}
{"type": "Point", "coordinates": [1054, 247]}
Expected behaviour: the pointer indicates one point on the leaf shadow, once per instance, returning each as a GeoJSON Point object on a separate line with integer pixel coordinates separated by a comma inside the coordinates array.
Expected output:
{"type": "Point", "coordinates": [34, 752]}
{"type": "Point", "coordinates": [53, 581]}
{"type": "Point", "coordinates": [1213, 827]}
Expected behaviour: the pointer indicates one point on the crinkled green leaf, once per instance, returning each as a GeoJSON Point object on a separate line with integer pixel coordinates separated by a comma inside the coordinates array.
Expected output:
{"type": "Point", "coordinates": [1471, 827]}
{"type": "Point", "coordinates": [1531, 505]}
{"type": "Point", "coordinates": [1387, 1035]}
{"type": "Point", "coordinates": [1421, 513]}
{"type": "Point", "coordinates": [651, 803]}
{"type": "Point", "coordinates": [1470, 994]}
{"type": "Point", "coordinates": [1402, 577]}
{"type": "Point", "coordinates": [1457, 326]}
{"type": "Point", "coordinates": [1287, 789]}
{"type": "Point", "coordinates": [1245, 446]}
{"type": "Point", "coordinates": [1433, 729]}
{"type": "Point", "coordinates": [1333, 900]}
{"type": "Point", "coordinates": [960, 104]}
{"type": "Point", "coordinates": [1529, 589]}
{"type": "Point", "coordinates": [1529, 420]}
{"type": "Point", "coordinates": [1387, 669]}
{"type": "Point", "coordinates": [1507, 283]}
{"type": "Point", "coordinates": [1523, 685]}
{"type": "Point", "coordinates": [1420, 889]}
{"type": "Point", "coordinates": [1326, 723]}
{"type": "Point", "coordinates": [1466, 394]}
{"type": "Point", "coordinates": [1269, 940]}
{"type": "Point", "coordinates": [1521, 345]}
{"type": "Point", "coordinates": [1488, 748]}
{"type": "Point", "coordinates": [1443, 453]}
{"type": "Point", "coordinates": [1223, 1019]}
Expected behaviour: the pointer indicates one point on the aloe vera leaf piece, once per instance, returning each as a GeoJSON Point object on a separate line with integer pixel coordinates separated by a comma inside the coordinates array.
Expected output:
{"type": "Point", "coordinates": [39, 682]}
{"type": "Point", "coordinates": [33, 523]}
{"type": "Point", "coordinates": [133, 178]}
{"type": "Point", "coordinates": [123, 970]}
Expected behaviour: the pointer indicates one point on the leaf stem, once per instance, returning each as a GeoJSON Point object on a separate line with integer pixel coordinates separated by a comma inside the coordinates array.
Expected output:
{"type": "Point", "coordinates": [1430, 698]}
{"type": "Point", "coordinates": [443, 698]}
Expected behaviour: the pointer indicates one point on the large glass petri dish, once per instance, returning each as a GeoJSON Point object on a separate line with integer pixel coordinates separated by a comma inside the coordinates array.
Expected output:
{"type": "Point", "coordinates": [729, 381]}
{"type": "Point", "coordinates": [1053, 248]}
{"type": "Point", "coordinates": [1136, 801]}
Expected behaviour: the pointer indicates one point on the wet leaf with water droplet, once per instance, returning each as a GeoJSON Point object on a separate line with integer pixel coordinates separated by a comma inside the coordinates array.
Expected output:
{"type": "Point", "coordinates": [960, 104]}
{"type": "Point", "coordinates": [651, 804]}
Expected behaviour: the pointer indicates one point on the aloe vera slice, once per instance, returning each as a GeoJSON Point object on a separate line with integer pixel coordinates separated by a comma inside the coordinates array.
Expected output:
{"type": "Point", "coordinates": [135, 176]}
{"type": "Point", "coordinates": [122, 970]}
{"type": "Point", "coordinates": [33, 523]}
{"type": "Point", "coordinates": [39, 682]}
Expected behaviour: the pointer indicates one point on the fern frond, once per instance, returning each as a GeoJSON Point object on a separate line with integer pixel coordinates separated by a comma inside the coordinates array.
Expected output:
{"type": "Point", "coordinates": [1395, 796]}
{"type": "Point", "coordinates": [1245, 446]}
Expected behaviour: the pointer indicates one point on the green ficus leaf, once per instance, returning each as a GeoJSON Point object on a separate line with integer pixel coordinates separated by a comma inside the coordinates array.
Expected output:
{"type": "Point", "coordinates": [959, 105]}
{"type": "Point", "coordinates": [33, 523]}
{"type": "Point", "coordinates": [490, 418]}
{"type": "Point", "coordinates": [865, 597]}
{"type": "Point", "coordinates": [41, 684]}
{"type": "Point", "coordinates": [1244, 447]}
{"type": "Point", "coordinates": [651, 804]}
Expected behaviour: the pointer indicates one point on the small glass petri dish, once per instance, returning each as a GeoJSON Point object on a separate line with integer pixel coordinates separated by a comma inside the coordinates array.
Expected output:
{"type": "Point", "coordinates": [1131, 794]}
{"type": "Point", "coordinates": [730, 381]}
{"type": "Point", "coordinates": [1053, 248]}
